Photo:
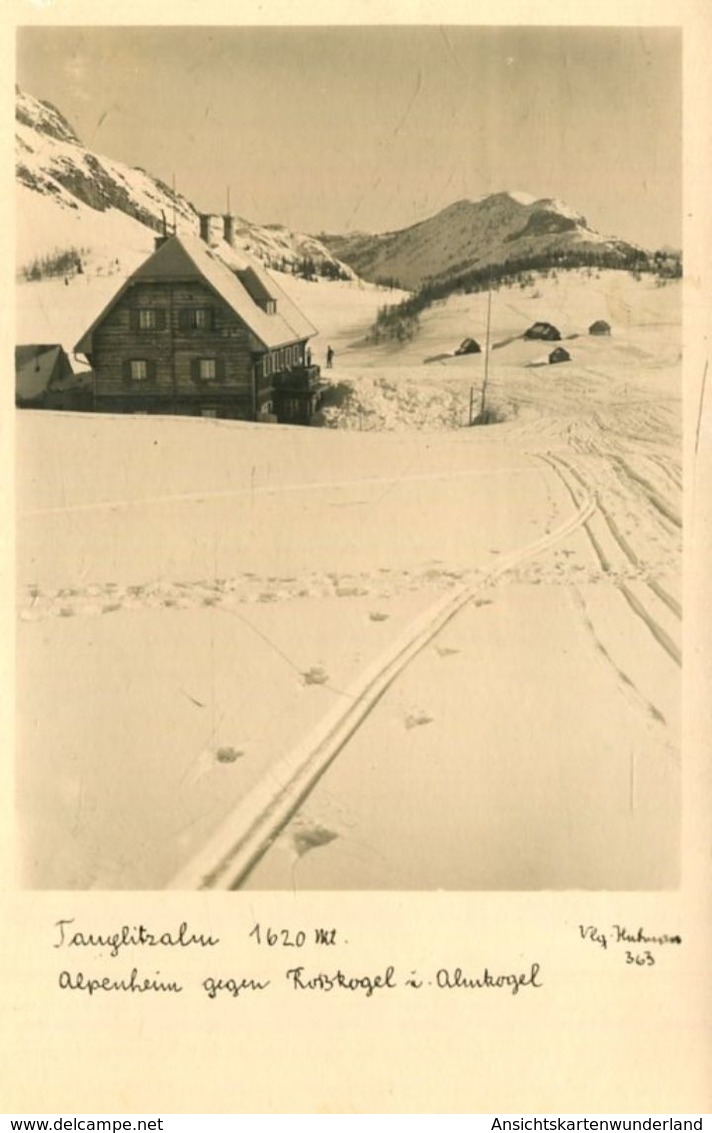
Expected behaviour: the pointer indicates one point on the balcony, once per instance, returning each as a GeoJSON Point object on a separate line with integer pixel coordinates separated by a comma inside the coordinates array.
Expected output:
{"type": "Point", "coordinates": [297, 394]}
{"type": "Point", "coordinates": [298, 379]}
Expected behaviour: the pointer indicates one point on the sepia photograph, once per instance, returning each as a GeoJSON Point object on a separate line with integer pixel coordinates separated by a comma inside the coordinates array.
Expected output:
{"type": "Point", "coordinates": [348, 458]}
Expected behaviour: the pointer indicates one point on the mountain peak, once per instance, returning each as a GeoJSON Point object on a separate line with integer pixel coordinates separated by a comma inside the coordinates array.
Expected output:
{"type": "Point", "coordinates": [506, 226]}
{"type": "Point", "coordinates": [555, 204]}
{"type": "Point", "coordinates": [73, 198]}
{"type": "Point", "coordinates": [520, 197]}
{"type": "Point", "coordinates": [43, 117]}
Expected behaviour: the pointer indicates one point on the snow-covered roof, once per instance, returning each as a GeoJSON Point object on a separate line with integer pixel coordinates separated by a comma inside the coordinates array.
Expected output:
{"type": "Point", "coordinates": [39, 364]}
{"type": "Point", "coordinates": [188, 258]}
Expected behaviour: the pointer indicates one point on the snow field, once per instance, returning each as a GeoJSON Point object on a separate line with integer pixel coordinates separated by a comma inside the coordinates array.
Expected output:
{"type": "Point", "coordinates": [197, 595]}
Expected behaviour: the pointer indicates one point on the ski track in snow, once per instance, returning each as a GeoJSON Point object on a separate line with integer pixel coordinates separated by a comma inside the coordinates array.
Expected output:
{"type": "Point", "coordinates": [242, 840]}
{"type": "Point", "coordinates": [600, 439]}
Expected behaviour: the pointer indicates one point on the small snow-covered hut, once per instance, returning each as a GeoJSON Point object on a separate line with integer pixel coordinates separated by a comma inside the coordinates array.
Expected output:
{"type": "Point", "coordinates": [559, 355]}
{"type": "Point", "coordinates": [44, 379]}
{"type": "Point", "coordinates": [469, 346]}
{"type": "Point", "coordinates": [600, 327]}
{"type": "Point", "coordinates": [546, 331]}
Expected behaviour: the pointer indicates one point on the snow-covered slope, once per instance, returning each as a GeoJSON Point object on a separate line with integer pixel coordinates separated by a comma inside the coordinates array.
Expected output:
{"type": "Point", "coordinates": [474, 234]}
{"type": "Point", "coordinates": [262, 565]}
{"type": "Point", "coordinates": [103, 213]}
{"type": "Point", "coordinates": [422, 384]}
{"type": "Point", "coordinates": [52, 310]}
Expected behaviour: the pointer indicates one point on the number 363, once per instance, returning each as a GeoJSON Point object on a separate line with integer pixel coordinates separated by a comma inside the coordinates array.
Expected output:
{"type": "Point", "coordinates": [640, 958]}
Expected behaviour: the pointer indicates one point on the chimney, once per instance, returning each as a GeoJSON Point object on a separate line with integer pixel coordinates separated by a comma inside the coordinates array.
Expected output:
{"type": "Point", "coordinates": [229, 229]}
{"type": "Point", "coordinates": [205, 227]}
{"type": "Point", "coordinates": [158, 240]}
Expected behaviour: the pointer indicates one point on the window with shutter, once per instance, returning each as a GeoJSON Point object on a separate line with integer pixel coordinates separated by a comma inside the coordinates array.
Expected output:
{"type": "Point", "coordinates": [138, 370]}
{"type": "Point", "coordinates": [147, 318]}
{"type": "Point", "coordinates": [208, 371]}
{"type": "Point", "coordinates": [203, 318]}
{"type": "Point", "coordinates": [196, 318]}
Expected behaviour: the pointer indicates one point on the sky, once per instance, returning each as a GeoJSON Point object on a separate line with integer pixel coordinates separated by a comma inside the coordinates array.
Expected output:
{"type": "Point", "coordinates": [346, 128]}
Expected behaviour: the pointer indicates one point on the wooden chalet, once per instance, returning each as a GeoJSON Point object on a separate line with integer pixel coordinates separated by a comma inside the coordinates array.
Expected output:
{"type": "Point", "coordinates": [559, 355]}
{"type": "Point", "coordinates": [187, 334]}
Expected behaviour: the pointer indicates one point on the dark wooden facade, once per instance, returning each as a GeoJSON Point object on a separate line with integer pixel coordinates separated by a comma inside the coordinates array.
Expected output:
{"type": "Point", "coordinates": [178, 346]}
{"type": "Point", "coordinates": [175, 348]}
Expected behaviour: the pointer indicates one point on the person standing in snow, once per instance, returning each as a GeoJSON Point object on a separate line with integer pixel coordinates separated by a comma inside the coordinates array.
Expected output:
{"type": "Point", "coordinates": [329, 357]}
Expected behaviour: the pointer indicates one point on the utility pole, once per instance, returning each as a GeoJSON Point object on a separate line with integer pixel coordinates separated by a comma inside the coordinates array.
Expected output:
{"type": "Point", "coordinates": [487, 342]}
